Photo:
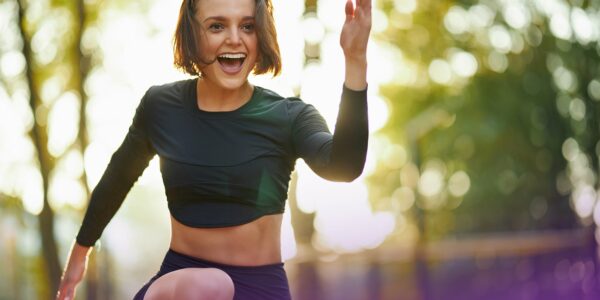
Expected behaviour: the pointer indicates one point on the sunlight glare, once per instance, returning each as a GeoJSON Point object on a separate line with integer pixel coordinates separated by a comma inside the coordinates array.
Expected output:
{"type": "Point", "coordinates": [463, 64]}
{"type": "Point", "coordinates": [594, 89]}
{"type": "Point", "coordinates": [318, 89]}
{"type": "Point", "coordinates": [459, 184]}
{"type": "Point", "coordinates": [52, 88]}
{"type": "Point", "coordinates": [380, 21]}
{"type": "Point", "coordinates": [63, 123]}
{"type": "Point", "coordinates": [380, 55]}
{"type": "Point", "coordinates": [66, 191]}
{"type": "Point", "coordinates": [500, 39]}
{"type": "Point", "coordinates": [560, 26]}
{"type": "Point", "coordinates": [14, 144]}
{"type": "Point", "coordinates": [332, 14]}
{"type": "Point", "coordinates": [431, 182]}
{"type": "Point", "coordinates": [516, 15]}
{"type": "Point", "coordinates": [395, 156]}
{"type": "Point", "coordinates": [288, 241]}
{"type": "Point", "coordinates": [288, 20]}
{"type": "Point", "coordinates": [565, 79]}
{"type": "Point", "coordinates": [481, 16]}
{"type": "Point", "coordinates": [378, 111]}
{"type": "Point", "coordinates": [96, 159]}
{"type": "Point", "coordinates": [357, 228]}
{"type": "Point", "coordinates": [29, 187]}
{"type": "Point", "coordinates": [405, 6]}
{"type": "Point", "coordinates": [313, 30]}
{"type": "Point", "coordinates": [585, 29]}
{"type": "Point", "coordinates": [12, 63]}
{"type": "Point", "coordinates": [577, 109]}
{"type": "Point", "coordinates": [584, 198]}
{"type": "Point", "coordinates": [440, 71]}
{"type": "Point", "coordinates": [455, 20]}
{"type": "Point", "coordinates": [403, 199]}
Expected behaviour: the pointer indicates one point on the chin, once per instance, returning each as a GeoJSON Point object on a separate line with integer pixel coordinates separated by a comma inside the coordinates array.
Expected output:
{"type": "Point", "coordinates": [232, 83]}
{"type": "Point", "coordinates": [228, 81]}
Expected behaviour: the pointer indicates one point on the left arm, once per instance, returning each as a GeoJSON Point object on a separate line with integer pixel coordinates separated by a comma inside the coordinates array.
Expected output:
{"type": "Point", "coordinates": [341, 156]}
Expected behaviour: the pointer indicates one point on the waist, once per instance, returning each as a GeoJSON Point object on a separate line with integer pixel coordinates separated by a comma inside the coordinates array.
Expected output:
{"type": "Point", "coordinates": [209, 206]}
{"type": "Point", "coordinates": [252, 244]}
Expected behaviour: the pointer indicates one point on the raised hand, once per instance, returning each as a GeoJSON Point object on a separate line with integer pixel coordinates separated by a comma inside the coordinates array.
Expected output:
{"type": "Point", "coordinates": [356, 29]}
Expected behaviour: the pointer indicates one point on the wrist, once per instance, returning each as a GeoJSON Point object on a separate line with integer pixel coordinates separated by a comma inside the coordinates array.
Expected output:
{"type": "Point", "coordinates": [356, 61]}
{"type": "Point", "coordinates": [356, 74]}
{"type": "Point", "coordinates": [79, 251]}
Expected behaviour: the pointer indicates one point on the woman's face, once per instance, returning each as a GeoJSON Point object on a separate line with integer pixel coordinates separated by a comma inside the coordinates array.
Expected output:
{"type": "Point", "coordinates": [228, 40]}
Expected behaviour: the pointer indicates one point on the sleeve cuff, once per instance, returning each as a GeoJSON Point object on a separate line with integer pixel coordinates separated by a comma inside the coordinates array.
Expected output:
{"type": "Point", "coordinates": [354, 96]}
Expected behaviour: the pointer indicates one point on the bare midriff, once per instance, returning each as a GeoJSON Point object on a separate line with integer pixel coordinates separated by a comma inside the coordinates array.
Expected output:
{"type": "Point", "coordinates": [251, 244]}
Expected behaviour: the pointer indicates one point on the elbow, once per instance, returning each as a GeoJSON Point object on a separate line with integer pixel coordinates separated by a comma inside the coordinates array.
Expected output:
{"type": "Point", "coordinates": [352, 175]}
{"type": "Point", "coordinates": [345, 175]}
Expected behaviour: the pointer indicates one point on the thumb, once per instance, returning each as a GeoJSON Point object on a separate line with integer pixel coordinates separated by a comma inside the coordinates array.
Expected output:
{"type": "Point", "coordinates": [349, 10]}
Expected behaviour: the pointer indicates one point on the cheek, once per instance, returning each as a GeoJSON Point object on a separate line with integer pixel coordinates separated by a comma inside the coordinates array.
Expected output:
{"type": "Point", "coordinates": [207, 45]}
{"type": "Point", "coordinates": [252, 44]}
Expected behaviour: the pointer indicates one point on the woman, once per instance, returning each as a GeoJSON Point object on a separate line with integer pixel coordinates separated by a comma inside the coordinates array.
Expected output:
{"type": "Point", "coordinates": [227, 149]}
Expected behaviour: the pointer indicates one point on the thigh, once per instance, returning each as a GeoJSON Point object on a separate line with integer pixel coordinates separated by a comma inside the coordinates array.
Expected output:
{"type": "Point", "coordinates": [192, 283]}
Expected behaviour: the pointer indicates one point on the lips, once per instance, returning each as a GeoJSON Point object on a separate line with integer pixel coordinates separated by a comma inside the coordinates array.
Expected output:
{"type": "Point", "coordinates": [231, 63]}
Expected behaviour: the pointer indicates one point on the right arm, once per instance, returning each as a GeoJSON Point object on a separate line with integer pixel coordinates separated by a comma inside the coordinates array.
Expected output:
{"type": "Point", "coordinates": [123, 170]}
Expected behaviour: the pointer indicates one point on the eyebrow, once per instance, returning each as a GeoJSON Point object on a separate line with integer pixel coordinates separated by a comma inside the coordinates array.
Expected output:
{"type": "Point", "coordinates": [221, 18]}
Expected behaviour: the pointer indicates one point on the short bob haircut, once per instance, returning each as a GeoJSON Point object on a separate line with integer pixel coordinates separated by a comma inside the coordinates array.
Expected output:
{"type": "Point", "coordinates": [186, 44]}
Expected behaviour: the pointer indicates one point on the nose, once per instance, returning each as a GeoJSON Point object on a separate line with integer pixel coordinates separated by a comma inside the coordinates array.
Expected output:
{"type": "Point", "coordinates": [234, 37]}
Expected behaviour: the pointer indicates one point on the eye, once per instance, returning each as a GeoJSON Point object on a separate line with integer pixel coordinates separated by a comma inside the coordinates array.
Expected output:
{"type": "Point", "coordinates": [248, 27]}
{"type": "Point", "coordinates": [215, 27]}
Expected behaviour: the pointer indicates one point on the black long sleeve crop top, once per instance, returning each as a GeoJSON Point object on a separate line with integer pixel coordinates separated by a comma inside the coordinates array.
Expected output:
{"type": "Point", "coordinates": [227, 168]}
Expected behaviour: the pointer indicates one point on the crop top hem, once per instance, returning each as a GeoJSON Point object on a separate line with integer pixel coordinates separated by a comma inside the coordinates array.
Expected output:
{"type": "Point", "coordinates": [229, 224]}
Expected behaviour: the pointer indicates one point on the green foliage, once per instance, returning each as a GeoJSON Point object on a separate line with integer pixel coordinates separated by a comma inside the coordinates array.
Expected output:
{"type": "Point", "coordinates": [505, 126]}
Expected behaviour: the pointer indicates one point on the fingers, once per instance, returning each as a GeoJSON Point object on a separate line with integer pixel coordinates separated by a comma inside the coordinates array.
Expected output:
{"type": "Point", "coordinates": [364, 4]}
{"type": "Point", "coordinates": [362, 9]}
{"type": "Point", "coordinates": [65, 294]}
{"type": "Point", "coordinates": [66, 291]}
{"type": "Point", "coordinates": [349, 10]}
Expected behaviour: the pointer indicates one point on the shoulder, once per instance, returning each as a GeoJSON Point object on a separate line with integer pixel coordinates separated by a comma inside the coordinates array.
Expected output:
{"type": "Point", "coordinates": [169, 91]}
{"type": "Point", "coordinates": [293, 105]}
{"type": "Point", "coordinates": [267, 95]}
{"type": "Point", "coordinates": [289, 109]}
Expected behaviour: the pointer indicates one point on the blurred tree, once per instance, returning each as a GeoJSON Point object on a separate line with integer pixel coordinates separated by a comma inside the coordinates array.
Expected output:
{"type": "Point", "coordinates": [496, 104]}
{"type": "Point", "coordinates": [12, 216]}
{"type": "Point", "coordinates": [70, 67]}
{"type": "Point", "coordinates": [46, 162]}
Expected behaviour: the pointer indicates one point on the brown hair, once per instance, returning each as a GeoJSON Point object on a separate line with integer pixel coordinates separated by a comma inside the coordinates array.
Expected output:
{"type": "Point", "coordinates": [186, 45]}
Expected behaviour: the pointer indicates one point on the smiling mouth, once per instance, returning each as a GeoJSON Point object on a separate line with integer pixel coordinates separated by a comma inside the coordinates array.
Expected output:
{"type": "Point", "coordinates": [231, 63]}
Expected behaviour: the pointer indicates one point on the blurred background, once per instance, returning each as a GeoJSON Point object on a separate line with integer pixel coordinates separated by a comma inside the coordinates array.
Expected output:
{"type": "Point", "coordinates": [481, 180]}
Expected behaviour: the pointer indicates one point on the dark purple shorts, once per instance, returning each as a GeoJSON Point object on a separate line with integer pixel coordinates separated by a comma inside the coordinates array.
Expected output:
{"type": "Point", "coordinates": [250, 283]}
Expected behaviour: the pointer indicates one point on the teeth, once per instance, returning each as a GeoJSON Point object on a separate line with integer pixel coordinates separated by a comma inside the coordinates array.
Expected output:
{"type": "Point", "coordinates": [233, 56]}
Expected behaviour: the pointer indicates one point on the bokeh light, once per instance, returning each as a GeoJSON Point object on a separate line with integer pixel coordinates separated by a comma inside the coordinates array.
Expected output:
{"type": "Point", "coordinates": [440, 71]}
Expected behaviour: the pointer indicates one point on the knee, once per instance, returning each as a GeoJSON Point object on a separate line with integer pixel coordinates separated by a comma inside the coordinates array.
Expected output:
{"type": "Point", "coordinates": [205, 284]}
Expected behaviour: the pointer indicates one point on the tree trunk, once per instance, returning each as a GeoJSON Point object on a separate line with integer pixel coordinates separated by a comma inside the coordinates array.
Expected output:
{"type": "Point", "coordinates": [39, 137]}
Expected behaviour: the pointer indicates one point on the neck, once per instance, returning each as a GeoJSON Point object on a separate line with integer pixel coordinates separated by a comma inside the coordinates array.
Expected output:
{"type": "Point", "coordinates": [211, 97]}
